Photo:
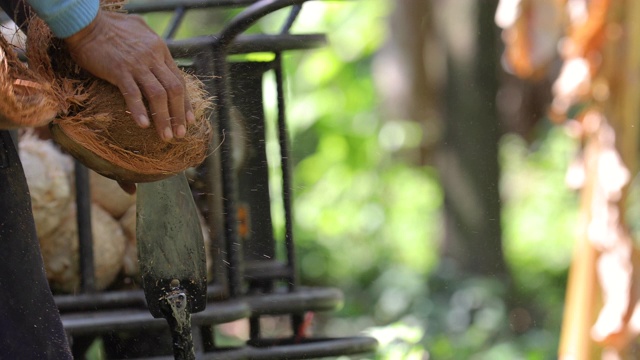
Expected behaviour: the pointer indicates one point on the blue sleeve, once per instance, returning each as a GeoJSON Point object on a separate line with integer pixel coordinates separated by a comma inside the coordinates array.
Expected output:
{"type": "Point", "coordinates": [66, 17]}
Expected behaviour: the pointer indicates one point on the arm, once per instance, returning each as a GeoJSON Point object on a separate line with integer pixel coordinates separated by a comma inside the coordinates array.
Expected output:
{"type": "Point", "coordinates": [66, 17]}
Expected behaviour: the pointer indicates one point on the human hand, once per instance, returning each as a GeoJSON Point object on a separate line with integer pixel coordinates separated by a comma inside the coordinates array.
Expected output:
{"type": "Point", "coordinates": [124, 51]}
{"type": "Point", "coordinates": [129, 188]}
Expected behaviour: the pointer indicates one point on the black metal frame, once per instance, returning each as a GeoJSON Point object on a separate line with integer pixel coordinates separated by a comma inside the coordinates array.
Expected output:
{"type": "Point", "coordinates": [90, 314]}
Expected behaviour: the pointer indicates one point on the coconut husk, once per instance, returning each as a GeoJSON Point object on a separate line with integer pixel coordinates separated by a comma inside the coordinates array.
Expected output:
{"type": "Point", "coordinates": [93, 123]}
{"type": "Point", "coordinates": [26, 99]}
{"type": "Point", "coordinates": [49, 175]}
{"type": "Point", "coordinates": [109, 195]}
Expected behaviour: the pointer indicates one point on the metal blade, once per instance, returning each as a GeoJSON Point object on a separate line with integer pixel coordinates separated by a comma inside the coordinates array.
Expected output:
{"type": "Point", "coordinates": [170, 246]}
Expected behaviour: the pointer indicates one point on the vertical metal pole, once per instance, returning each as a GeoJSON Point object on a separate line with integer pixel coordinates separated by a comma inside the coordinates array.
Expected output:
{"type": "Point", "coordinates": [254, 328]}
{"type": "Point", "coordinates": [233, 245]}
{"type": "Point", "coordinates": [85, 239]}
{"type": "Point", "coordinates": [208, 338]}
{"type": "Point", "coordinates": [296, 319]}
{"type": "Point", "coordinates": [203, 65]}
{"type": "Point", "coordinates": [174, 24]}
{"type": "Point", "coordinates": [286, 173]}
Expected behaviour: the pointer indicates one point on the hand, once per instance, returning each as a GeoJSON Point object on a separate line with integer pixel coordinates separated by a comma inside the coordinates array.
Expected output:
{"type": "Point", "coordinates": [129, 188]}
{"type": "Point", "coordinates": [124, 51]}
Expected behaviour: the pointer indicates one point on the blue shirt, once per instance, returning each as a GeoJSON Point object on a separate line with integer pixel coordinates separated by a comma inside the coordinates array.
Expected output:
{"type": "Point", "coordinates": [66, 17]}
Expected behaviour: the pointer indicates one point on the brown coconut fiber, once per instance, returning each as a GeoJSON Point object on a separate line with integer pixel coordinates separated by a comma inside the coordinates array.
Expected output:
{"type": "Point", "coordinates": [93, 123]}
{"type": "Point", "coordinates": [25, 98]}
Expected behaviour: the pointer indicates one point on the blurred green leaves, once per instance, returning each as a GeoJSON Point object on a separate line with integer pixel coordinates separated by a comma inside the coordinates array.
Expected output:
{"type": "Point", "coordinates": [367, 220]}
{"type": "Point", "coordinates": [358, 209]}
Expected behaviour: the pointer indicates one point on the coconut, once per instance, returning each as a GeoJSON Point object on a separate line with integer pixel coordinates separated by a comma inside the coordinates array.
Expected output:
{"type": "Point", "coordinates": [109, 195]}
{"type": "Point", "coordinates": [130, 259]}
{"type": "Point", "coordinates": [48, 174]}
{"type": "Point", "coordinates": [93, 123]}
{"type": "Point", "coordinates": [60, 251]}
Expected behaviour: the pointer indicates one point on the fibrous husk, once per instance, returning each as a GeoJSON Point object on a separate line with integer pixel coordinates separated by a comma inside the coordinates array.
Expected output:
{"type": "Point", "coordinates": [26, 99]}
{"type": "Point", "coordinates": [130, 258]}
{"type": "Point", "coordinates": [93, 123]}
{"type": "Point", "coordinates": [48, 174]}
{"type": "Point", "coordinates": [12, 33]}
{"type": "Point", "coordinates": [60, 251]}
{"type": "Point", "coordinates": [109, 195]}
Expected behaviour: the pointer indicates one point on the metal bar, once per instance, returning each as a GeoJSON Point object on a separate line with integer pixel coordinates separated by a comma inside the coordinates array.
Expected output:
{"type": "Point", "coordinates": [287, 187]}
{"type": "Point", "coordinates": [203, 67]}
{"type": "Point", "coordinates": [105, 321]}
{"type": "Point", "coordinates": [83, 215]}
{"type": "Point", "coordinates": [208, 338]}
{"type": "Point", "coordinates": [232, 243]}
{"type": "Point", "coordinates": [174, 24]}
{"type": "Point", "coordinates": [118, 299]}
{"type": "Point", "coordinates": [297, 320]}
{"type": "Point", "coordinates": [254, 328]}
{"type": "Point", "coordinates": [96, 301]}
{"type": "Point", "coordinates": [248, 17]}
{"type": "Point", "coordinates": [170, 5]}
{"type": "Point", "coordinates": [245, 44]}
{"type": "Point", "coordinates": [293, 15]}
{"type": "Point", "coordinates": [266, 270]}
{"type": "Point", "coordinates": [277, 349]}
{"type": "Point", "coordinates": [299, 301]}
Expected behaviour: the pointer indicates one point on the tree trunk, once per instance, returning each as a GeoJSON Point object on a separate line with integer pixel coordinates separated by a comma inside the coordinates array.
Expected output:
{"type": "Point", "coordinates": [406, 70]}
{"type": "Point", "coordinates": [468, 157]}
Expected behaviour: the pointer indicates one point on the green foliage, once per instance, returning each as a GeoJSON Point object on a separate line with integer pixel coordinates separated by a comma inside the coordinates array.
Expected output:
{"type": "Point", "coordinates": [356, 209]}
{"type": "Point", "coordinates": [368, 222]}
{"type": "Point", "coordinates": [399, 341]}
{"type": "Point", "coordinates": [540, 212]}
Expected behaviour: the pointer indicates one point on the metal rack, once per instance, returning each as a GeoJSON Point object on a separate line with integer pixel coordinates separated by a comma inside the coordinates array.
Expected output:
{"type": "Point", "coordinates": [249, 279]}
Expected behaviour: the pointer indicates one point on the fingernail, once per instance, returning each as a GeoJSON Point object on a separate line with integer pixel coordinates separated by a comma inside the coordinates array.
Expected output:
{"type": "Point", "coordinates": [191, 119]}
{"type": "Point", "coordinates": [181, 131]}
{"type": "Point", "coordinates": [168, 135]}
{"type": "Point", "coordinates": [143, 121]}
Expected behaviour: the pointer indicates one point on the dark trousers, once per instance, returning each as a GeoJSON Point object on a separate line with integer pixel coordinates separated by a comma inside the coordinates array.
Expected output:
{"type": "Point", "coordinates": [30, 326]}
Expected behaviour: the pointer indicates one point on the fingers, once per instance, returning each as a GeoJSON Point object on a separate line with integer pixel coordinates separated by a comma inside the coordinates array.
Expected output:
{"type": "Point", "coordinates": [188, 109]}
{"type": "Point", "coordinates": [129, 188]}
{"type": "Point", "coordinates": [163, 86]}
{"type": "Point", "coordinates": [175, 93]}
{"type": "Point", "coordinates": [156, 96]}
{"type": "Point", "coordinates": [165, 91]}
{"type": "Point", "coordinates": [133, 98]}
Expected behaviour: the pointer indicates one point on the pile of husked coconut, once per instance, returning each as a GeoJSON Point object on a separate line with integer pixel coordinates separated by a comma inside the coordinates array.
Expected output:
{"type": "Point", "coordinates": [50, 176]}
